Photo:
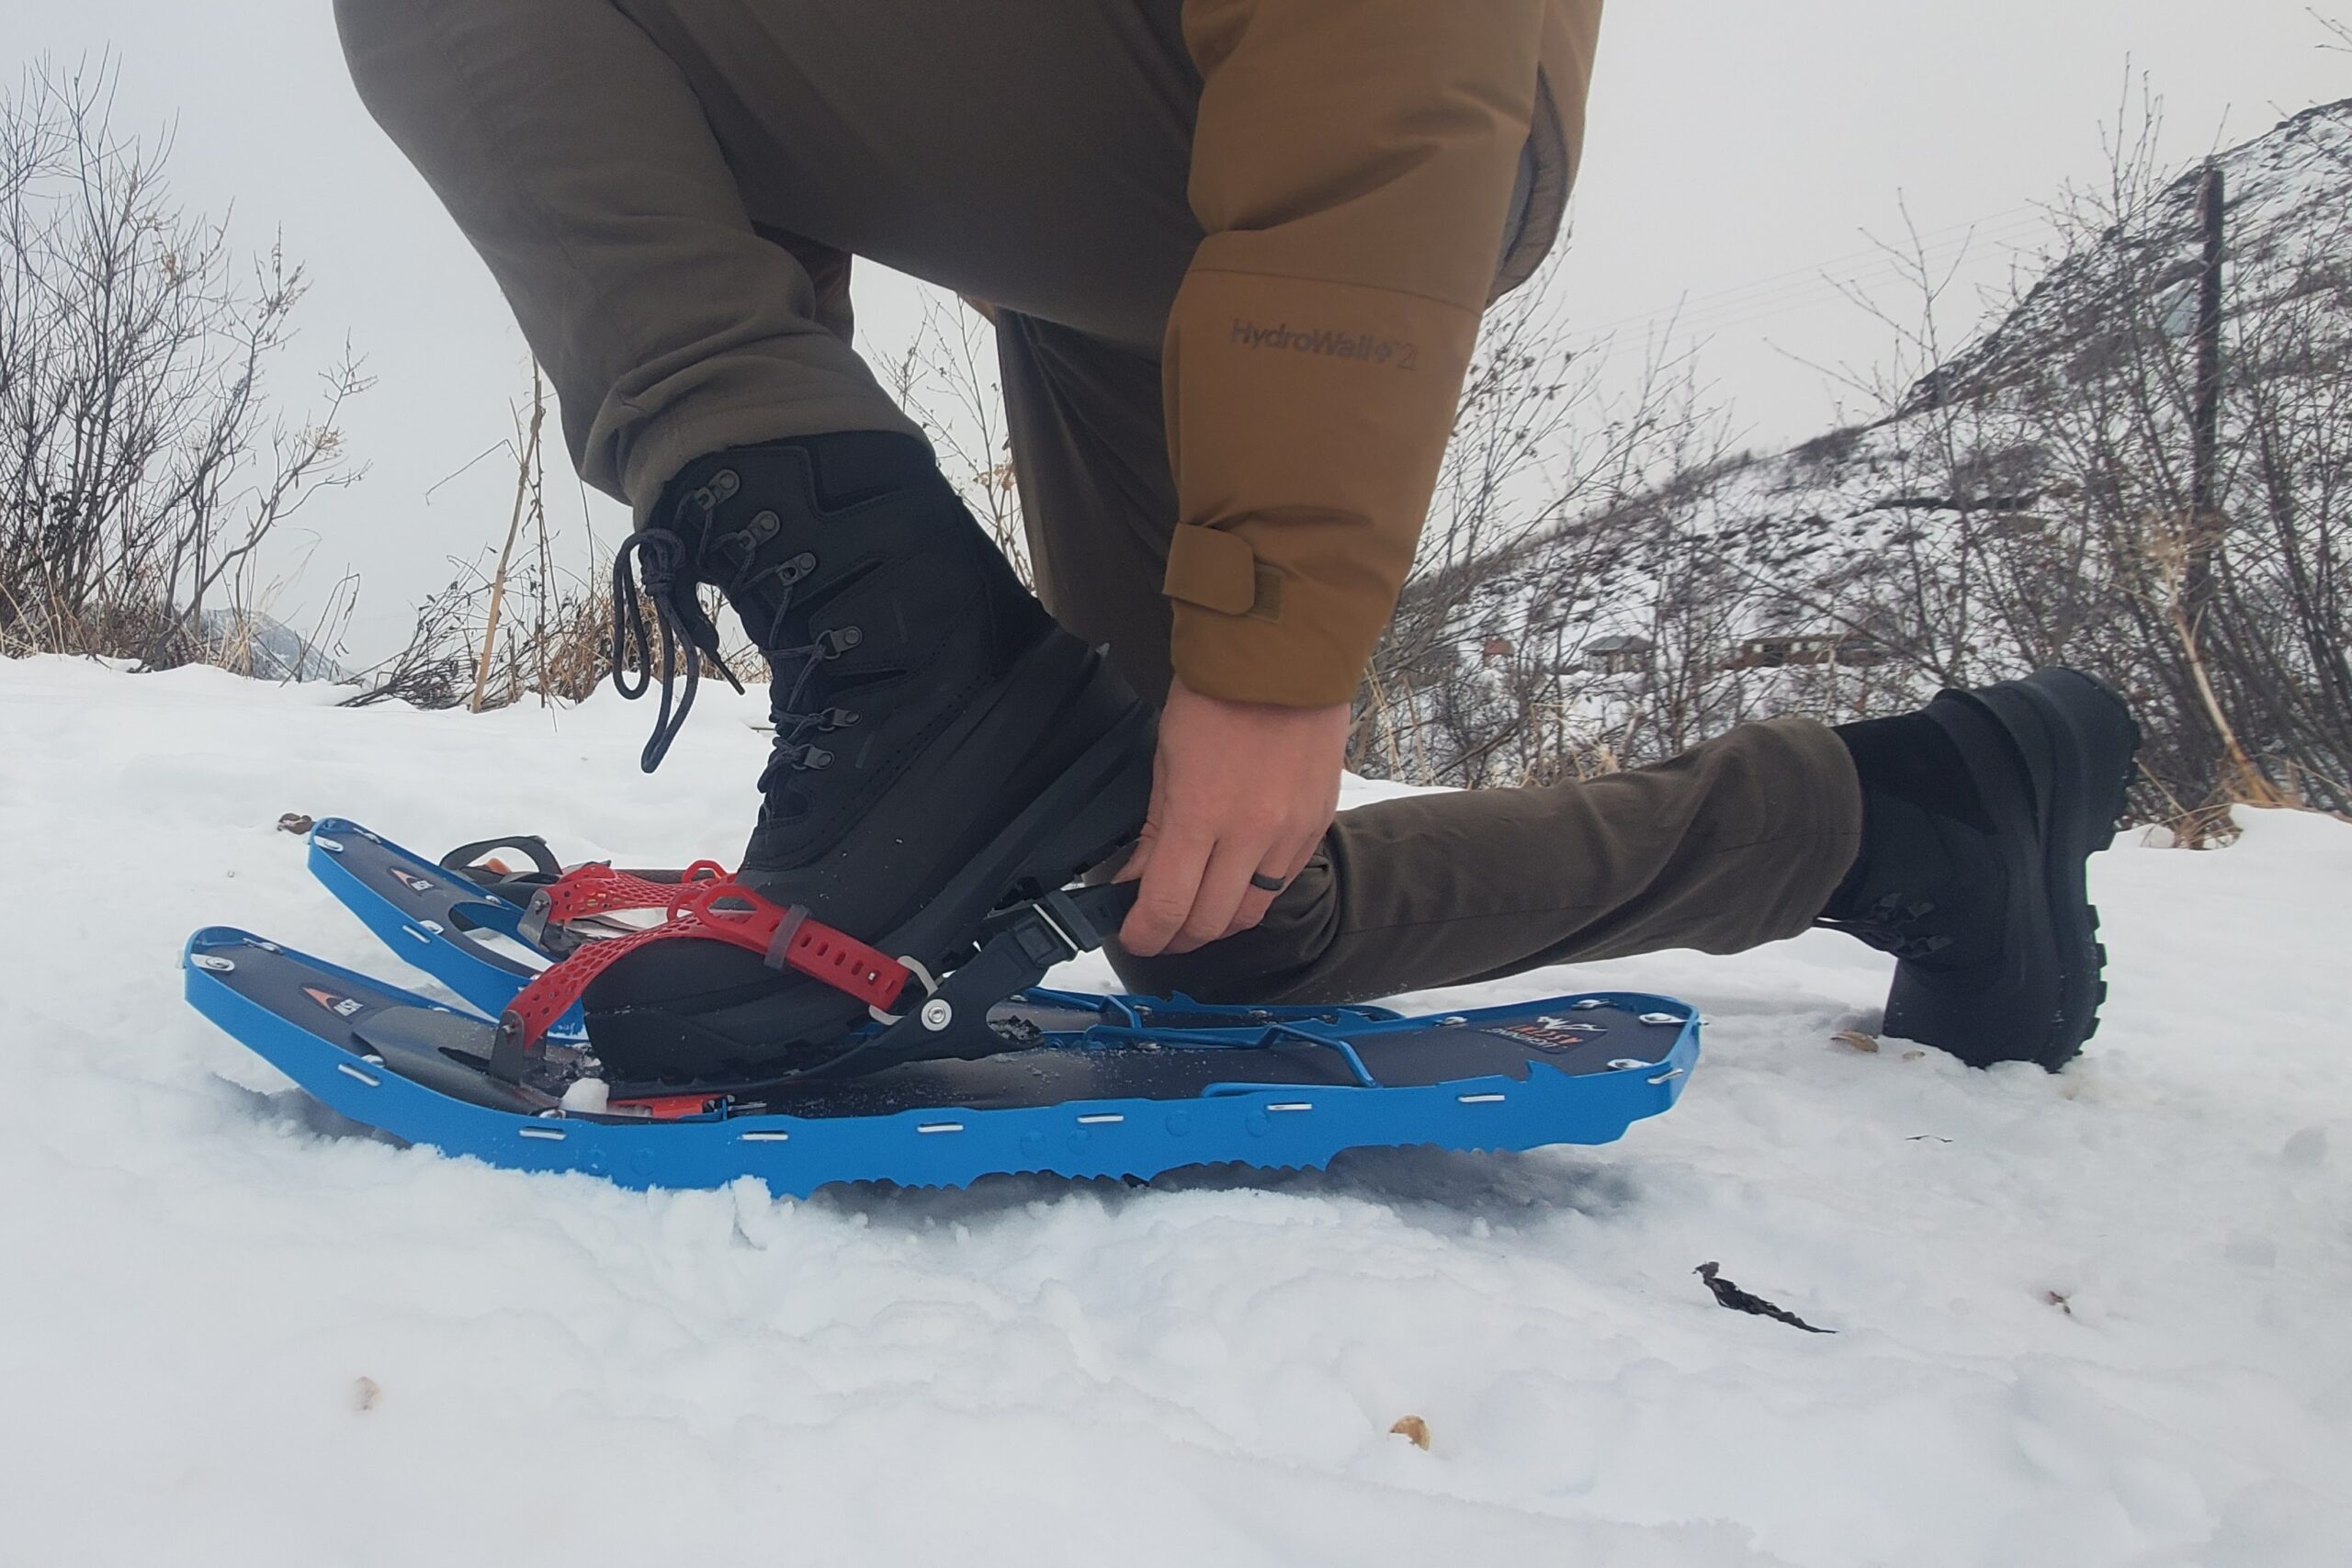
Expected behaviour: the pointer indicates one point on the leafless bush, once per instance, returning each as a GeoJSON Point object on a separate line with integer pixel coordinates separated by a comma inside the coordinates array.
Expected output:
{"type": "Point", "coordinates": [512, 623]}
{"type": "Point", "coordinates": [515, 624]}
{"type": "Point", "coordinates": [141, 467]}
{"type": "Point", "coordinates": [2226, 616]}
{"type": "Point", "coordinates": [1560, 516]}
{"type": "Point", "coordinates": [553, 641]}
{"type": "Point", "coordinates": [947, 380]}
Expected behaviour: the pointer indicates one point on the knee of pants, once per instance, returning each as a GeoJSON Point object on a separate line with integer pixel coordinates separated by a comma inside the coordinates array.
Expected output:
{"type": "Point", "coordinates": [362, 24]}
{"type": "Point", "coordinates": [405, 74]}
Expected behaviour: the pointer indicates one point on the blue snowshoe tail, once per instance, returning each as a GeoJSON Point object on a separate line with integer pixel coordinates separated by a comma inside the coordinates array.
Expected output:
{"type": "Point", "coordinates": [440, 921]}
{"type": "Point", "coordinates": [1093, 1087]}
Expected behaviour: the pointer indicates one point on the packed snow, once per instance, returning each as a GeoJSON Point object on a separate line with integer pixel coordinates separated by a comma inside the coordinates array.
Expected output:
{"type": "Point", "coordinates": [2085, 1320]}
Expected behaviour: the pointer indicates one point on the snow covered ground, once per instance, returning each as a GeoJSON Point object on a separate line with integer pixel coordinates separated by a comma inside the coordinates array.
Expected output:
{"type": "Point", "coordinates": [2089, 1320]}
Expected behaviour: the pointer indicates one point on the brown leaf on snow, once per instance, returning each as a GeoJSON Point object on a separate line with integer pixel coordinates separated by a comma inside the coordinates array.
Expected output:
{"type": "Point", "coordinates": [1857, 1039]}
{"type": "Point", "coordinates": [1412, 1427]}
{"type": "Point", "coordinates": [295, 822]}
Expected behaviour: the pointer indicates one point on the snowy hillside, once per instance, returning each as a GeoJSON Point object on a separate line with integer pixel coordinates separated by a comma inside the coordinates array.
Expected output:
{"type": "Point", "coordinates": [2288, 191]}
{"type": "Point", "coordinates": [1800, 528]}
{"type": "Point", "coordinates": [2017, 507]}
{"type": "Point", "coordinates": [2083, 1321]}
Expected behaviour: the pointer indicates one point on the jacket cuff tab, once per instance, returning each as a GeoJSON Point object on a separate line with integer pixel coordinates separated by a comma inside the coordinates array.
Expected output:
{"type": "Point", "coordinates": [1218, 571]}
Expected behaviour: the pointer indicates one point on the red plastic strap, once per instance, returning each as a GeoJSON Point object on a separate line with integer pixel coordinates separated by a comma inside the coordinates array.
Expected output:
{"type": "Point", "coordinates": [599, 890]}
{"type": "Point", "coordinates": [715, 907]}
{"type": "Point", "coordinates": [667, 1107]}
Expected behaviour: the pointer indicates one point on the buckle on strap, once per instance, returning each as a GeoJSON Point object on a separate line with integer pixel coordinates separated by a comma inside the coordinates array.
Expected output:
{"type": "Point", "coordinates": [1017, 946]}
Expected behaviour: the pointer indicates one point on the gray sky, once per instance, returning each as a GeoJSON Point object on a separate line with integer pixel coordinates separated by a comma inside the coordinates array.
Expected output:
{"type": "Point", "coordinates": [1737, 150]}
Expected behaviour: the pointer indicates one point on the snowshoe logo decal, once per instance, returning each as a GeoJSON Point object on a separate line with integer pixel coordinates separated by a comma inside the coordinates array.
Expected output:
{"type": "Point", "coordinates": [412, 882]}
{"type": "Point", "coordinates": [342, 1007]}
{"type": "Point", "coordinates": [1549, 1034]}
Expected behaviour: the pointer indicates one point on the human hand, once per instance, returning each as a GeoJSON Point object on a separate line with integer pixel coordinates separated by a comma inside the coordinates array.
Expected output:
{"type": "Point", "coordinates": [1238, 789]}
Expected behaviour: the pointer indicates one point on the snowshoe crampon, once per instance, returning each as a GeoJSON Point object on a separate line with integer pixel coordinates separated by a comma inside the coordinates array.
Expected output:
{"type": "Point", "coordinates": [1002, 1077]}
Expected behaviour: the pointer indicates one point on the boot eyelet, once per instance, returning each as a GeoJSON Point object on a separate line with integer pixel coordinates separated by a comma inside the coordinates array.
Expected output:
{"type": "Point", "coordinates": [764, 526]}
{"type": "Point", "coordinates": [816, 757]}
{"type": "Point", "coordinates": [725, 483]}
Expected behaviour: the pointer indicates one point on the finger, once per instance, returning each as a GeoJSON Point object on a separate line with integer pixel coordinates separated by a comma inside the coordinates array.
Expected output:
{"type": "Point", "coordinates": [1164, 900]}
{"type": "Point", "coordinates": [1139, 857]}
{"type": "Point", "coordinates": [1282, 870]}
{"type": "Point", "coordinates": [1225, 883]}
{"type": "Point", "coordinates": [1255, 902]}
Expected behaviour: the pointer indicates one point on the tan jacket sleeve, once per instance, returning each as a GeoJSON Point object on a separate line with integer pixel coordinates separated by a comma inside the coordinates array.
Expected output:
{"type": "Point", "coordinates": [1352, 168]}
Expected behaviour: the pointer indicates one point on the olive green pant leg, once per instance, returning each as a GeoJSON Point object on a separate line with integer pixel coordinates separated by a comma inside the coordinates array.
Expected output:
{"type": "Point", "coordinates": [1735, 843]}
{"type": "Point", "coordinates": [578, 159]}
{"type": "Point", "coordinates": [1090, 454]}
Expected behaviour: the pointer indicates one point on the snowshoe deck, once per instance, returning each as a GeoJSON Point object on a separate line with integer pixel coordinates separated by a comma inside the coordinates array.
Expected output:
{"type": "Point", "coordinates": [1109, 1089]}
{"type": "Point", "coordinates": [454, 929]}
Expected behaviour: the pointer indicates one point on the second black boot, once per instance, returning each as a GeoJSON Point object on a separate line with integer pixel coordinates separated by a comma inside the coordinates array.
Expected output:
{"type": "Point", "coordinates": [941, 744]}
{"type": "Point", "coordinates": [1978, 815]}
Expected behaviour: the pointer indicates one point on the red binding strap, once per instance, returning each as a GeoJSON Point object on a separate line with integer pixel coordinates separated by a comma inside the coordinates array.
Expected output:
{"type": "Point", "coordinates": [712, 905]}
{"type": "Point", "coordinates": [599, 890]}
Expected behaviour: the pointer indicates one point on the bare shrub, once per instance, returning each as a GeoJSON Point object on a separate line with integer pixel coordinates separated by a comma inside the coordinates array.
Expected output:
{"type": "Point", "coordinates": [141, 469]}
{"type": "Point", "coordinates": [947, 380]}
{"type": "Point", "coordinates": [514, 623]}
{"type": "Point", "coordinates": [554, 641]}
{"type": "Point", "coordinates": [1557, 519]}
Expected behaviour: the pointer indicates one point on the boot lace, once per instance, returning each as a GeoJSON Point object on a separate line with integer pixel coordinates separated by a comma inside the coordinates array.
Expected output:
{"type": "Point", "coordinates": [1895, 925]}
{"type": "Point", "coordinates": [668, 572]}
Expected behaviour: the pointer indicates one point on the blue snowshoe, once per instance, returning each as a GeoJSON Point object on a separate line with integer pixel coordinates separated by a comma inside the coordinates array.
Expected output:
{"type": "Point", "coordinates": [974, 1072]}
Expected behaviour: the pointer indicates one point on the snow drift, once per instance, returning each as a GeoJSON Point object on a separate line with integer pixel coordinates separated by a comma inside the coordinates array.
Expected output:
{"type": "Point", "coordinates": [2090, 1320]}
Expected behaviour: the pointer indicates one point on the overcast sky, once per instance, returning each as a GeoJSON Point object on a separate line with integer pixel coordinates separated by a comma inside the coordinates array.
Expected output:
{"type": "Point", "coordinates": [1738, 149]}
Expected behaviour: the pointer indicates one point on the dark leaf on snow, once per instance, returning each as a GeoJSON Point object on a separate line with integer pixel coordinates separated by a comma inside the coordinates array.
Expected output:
{"type": "Point", "coordinates": [1730, 1296]}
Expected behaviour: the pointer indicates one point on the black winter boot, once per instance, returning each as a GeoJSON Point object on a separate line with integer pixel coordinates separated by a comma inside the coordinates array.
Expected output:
{"type": "Point", "coordinates": [1978, 813]}
{"type": "Point", "coordinates": [941, 744]}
